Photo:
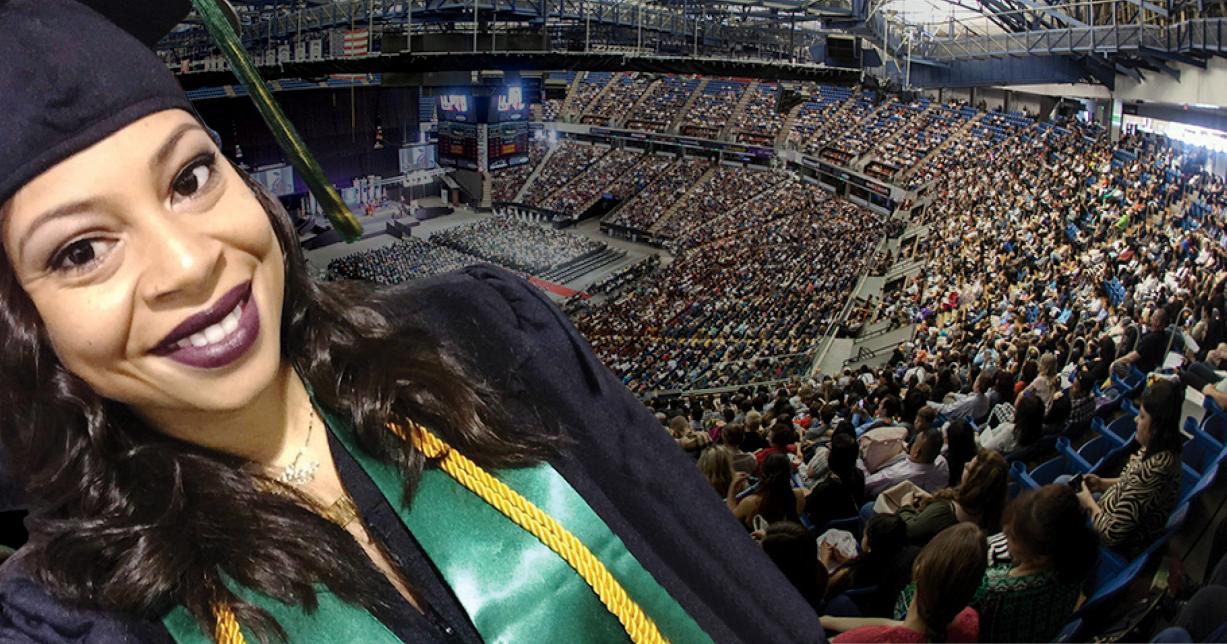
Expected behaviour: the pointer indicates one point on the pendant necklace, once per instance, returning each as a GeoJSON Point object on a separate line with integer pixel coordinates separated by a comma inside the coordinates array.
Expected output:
{"type": "Point", "coordinates": [301, 470]}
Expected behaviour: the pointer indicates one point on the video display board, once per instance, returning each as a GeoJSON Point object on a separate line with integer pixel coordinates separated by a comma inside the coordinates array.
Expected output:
{"type": "Point", "coordinates": [278, 179]}
{"type": "Point", "coordinates": [508, 105]}
{"type": "Point", "coordinates": [457, 107]}
{"type": "Point", "coordinates": [457, 146]}
{"type": "Point", "coordinates": [417, 157]}
{"type": "Point", "coordinates": [508, 145]}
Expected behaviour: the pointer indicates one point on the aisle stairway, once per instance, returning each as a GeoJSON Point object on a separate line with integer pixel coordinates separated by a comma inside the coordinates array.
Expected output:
{"type": "Point", "coordinates": [533, 177]}
{"type": "Point", "coordinates": [728, 132]}
{"type": "Point", "coordinates": [782, 137]}
{"type": "Point", "coordinates": [565, 111]}
{"type": "Point", "coordinates": [620, 120]}
{"type": "Point", "coordinates": [677, 203]}
{"type": "Point", "coordinates": [681, 114]}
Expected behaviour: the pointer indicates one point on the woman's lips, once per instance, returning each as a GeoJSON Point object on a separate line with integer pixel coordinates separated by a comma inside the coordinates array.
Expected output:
{"type": "Point", "coordinates": [221, 343]}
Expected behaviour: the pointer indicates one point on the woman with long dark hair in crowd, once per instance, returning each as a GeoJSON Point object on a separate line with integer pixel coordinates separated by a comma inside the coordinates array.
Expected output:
{"type": "Point", "coordinates": [947, 573]}
{"type": "Point", "coordinates": [774, 498]}
{"type": "Point", "coordinates": [884, 565]}
{"type": "Point", "coordinates": [960, 448]}
{"type": "Point", "coordinates": [842, 492]}
{"type": "Point", "coordinates": [1025, 430]}
{"type": "Point", "coordinates": [795, 553]}
{"type": "Point", "coordinates": [1135, 506]}
{"type": "Point", "coordinates": [210, 441]}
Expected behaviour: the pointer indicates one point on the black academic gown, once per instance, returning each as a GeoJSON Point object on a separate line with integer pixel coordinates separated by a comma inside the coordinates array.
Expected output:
{"type": "Point", "coordinates": [627, 468]}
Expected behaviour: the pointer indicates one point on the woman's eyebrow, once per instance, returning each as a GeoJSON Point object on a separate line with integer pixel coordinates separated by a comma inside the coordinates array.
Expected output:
{"type": "Point", "coordinates": [164, 152]}
{"type": "Point", "coordinates": [67, 210]}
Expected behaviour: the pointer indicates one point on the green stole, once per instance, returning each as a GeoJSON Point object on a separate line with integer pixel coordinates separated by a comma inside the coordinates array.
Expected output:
{"type": "Point", "coordinates": [513, 587]}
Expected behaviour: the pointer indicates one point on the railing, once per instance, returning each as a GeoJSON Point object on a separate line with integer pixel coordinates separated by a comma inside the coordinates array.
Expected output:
{"type": "Point", "coordinates": [682, 393]}
{"type": "Point", "coordinates": [589, 18]}
{"type": "Point", "coordinates": [1194, 35]}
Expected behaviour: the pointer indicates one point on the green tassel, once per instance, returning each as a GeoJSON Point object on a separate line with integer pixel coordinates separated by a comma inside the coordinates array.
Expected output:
{"type": "Point", "coordinates": [343, 221]}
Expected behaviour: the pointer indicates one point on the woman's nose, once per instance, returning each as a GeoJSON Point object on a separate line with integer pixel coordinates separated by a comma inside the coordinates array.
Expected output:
{"type": "Point", "coordinates": [182, 260]}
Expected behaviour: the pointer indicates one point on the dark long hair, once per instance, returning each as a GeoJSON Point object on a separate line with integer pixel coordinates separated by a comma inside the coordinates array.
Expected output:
{"type": "Point", "coordinates": [1050, 523]}
{"type": "Point", "coordinates": [961, 442]}
{"type": "Point", "coordinates": [983, 493]}
{"type": "Point", "coordinates": [947, 572]}
{"type": "Point", "coordinates": [778, 501]}
{"type": "Point", "coordinates": [1164, 402]}
{"type": "Point", "coordinates": [795, 552]}
{"type": "Point", "coordinates": [129, 520]}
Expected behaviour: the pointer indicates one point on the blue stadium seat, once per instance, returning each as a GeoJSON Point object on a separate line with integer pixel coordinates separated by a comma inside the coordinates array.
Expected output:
{"type": "Point", "coordinates": [1200, 453]}
{"type": "Point", "coordinates": [1095, 449]}
{"type": "Point", "coordinates": [1119, 431]}
{"type": "Point", "coordinates": [1076, 461]}
{"type": "Point", "coordinates": [1113, 574]}
{"type": "Point", "coordinates": [1215, 427]}
{"type": "Point", "coordinates": [1048, 471]}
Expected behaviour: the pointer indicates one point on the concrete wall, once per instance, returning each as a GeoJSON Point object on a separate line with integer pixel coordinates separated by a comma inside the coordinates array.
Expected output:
{"type": "Point", "coordinates": [1196, 86]}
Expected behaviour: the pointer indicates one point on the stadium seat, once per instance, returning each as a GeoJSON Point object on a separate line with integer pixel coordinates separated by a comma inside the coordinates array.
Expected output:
{"type": "Point", "coordinates": [1113, 574]}
{"type": "Point", "coordinates": [1119, 431]}
{"type": "Point", "coordinates": [1095, 449]}
{"type": "Point", "coordinates": [1048, 471]}
{"type": "Point", "coordinates": [1200, 453]}
{"type": "Point", "coordinates": [1076, 461]}
{"type": "Point", "coordinates": [1215, 427]}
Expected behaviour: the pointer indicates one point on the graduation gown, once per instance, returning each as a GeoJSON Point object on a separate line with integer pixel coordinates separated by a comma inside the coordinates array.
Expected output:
{"type": "Point", "coordinates": [620, 460]}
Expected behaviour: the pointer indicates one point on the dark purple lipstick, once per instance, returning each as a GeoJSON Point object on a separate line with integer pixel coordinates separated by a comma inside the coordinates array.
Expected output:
{"type": "Point", "coordinates": [216, 336]}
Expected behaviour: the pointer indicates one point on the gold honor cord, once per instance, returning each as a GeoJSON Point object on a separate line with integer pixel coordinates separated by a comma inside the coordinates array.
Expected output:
{"type": "Point", "coordinates": [214, 18]}
{"type": "Point", "coordinates": [639, 627]}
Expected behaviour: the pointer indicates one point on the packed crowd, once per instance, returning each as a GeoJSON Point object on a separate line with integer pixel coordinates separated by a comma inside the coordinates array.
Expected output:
{"type": "Point", "coordinates": [942, 551]}
{"type": "Point", "coordinates": [592, 182]}
{"type": "Point", "coordinates": [516, 244]}
{"type": "Point", "coordinates": [662, 104]}
{"type": "Point", "coordinates": [622, 277]}
{"type": "Point", "coordinates": [400, 262]}
{"type": "Point", "coordinates": [818, 124]}
{"type": "Point", "coordinates": [725, 190]}
{"type": "Point", "coordinates": [914, 144]}
{"type": "Point", "coordinates": [655, 199]}
{"type": "Point", "coordinates": [760, 121]}
{"type": "Point", "coordinates": [623, 92]}
{"type": "Point", "coordinates": [891, 119]}
{"type": "Point", "coordinates": [734, 307]}
{"type": "Point", "coordinates": [568, 161]}
{"type": "Point", "coordinates": [712, 108]}
{"type": "Point", "coordinates": [508, 181]}
{"type": "Point", "coordinates": [589, 86]}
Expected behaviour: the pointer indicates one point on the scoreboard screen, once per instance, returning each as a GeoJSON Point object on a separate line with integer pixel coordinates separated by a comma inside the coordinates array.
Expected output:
{"type": "Point", "coordinates": [507, 145]}
{"type": "Point", "coordinates": [508, 105]}
{"type": "Point", "coordinates": [457, 107]}
{"type": "Point", "coordinates": [458, 145]}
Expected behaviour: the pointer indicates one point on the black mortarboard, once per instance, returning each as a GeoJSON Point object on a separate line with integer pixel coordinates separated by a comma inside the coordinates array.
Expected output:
{"type": "Point", "coordinates": [73, 72]}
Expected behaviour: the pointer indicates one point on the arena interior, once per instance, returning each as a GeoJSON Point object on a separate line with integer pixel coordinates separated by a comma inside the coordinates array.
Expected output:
{"type": "Point", "coordinates": [936, 253]}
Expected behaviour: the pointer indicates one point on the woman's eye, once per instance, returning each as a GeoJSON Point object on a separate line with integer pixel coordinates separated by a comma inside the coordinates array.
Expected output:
{"type": "Point", "coordinates": [194, 178]}
{"type": "Point", "coordinates": [79, 255]}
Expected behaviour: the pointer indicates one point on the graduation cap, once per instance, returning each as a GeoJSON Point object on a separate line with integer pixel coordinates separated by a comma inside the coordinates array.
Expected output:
{"type": "Point", "coordinates": [74, 73]}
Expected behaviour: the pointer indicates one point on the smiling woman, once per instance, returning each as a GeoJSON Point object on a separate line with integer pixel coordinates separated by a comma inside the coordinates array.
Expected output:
{"type": "Point", "coordinates": [214, 445]}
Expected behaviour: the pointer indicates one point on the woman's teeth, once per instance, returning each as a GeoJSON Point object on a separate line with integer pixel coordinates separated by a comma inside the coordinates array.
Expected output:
{"type": "Point", "coordinates": [214, 333]}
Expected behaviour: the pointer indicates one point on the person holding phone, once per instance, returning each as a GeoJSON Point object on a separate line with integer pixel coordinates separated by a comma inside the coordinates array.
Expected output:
{"type": "Point", "coordinates": [1133, 508]}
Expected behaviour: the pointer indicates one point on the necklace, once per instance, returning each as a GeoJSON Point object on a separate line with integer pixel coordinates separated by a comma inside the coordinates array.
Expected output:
{"type": "Point", "coordinates": [301, 470]}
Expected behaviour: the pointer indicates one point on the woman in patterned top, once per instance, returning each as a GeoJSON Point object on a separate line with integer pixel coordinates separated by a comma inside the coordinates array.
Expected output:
{"type": "Point", "coordinates": [1051, 549]}
{"type": "Point", "coordinates": [1134, 507]}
